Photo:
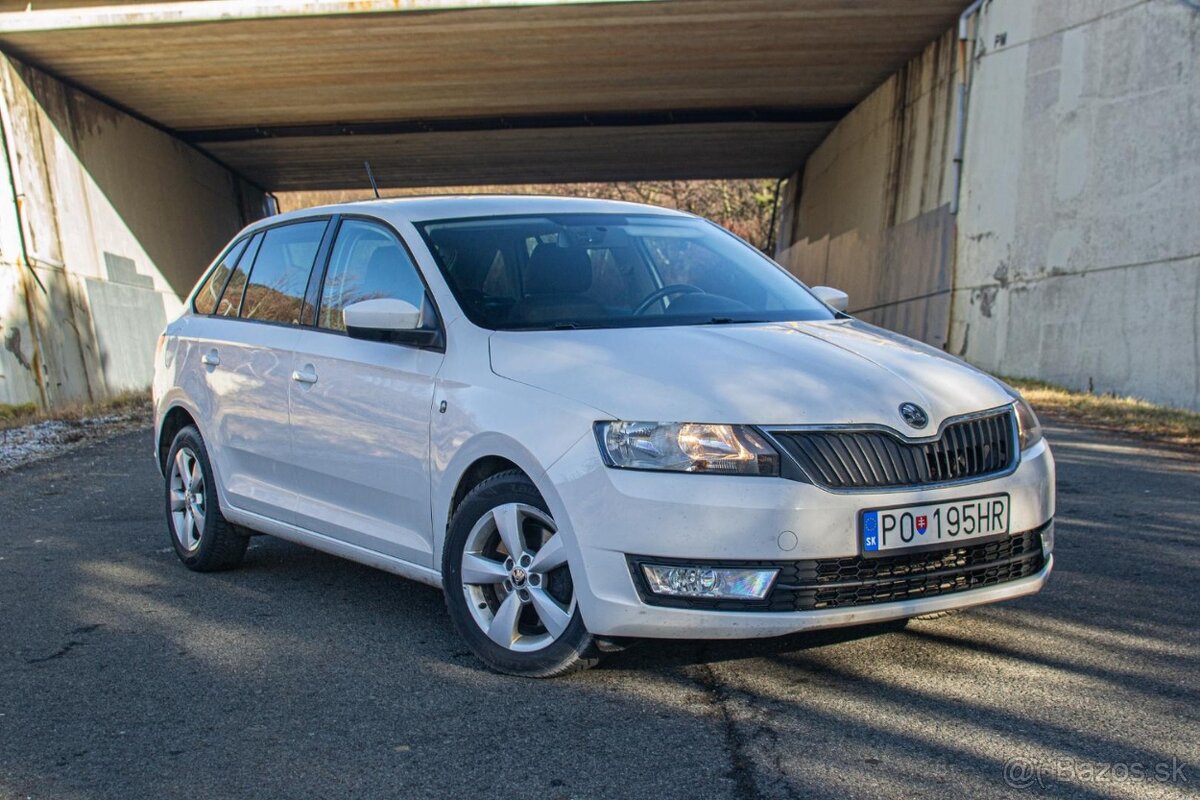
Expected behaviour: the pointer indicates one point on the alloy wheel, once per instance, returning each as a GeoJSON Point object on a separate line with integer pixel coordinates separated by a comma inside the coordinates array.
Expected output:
{"type": "Point", "coordinates": [187, 499]}
{"type": "Point", "coordinates": [515, 578]}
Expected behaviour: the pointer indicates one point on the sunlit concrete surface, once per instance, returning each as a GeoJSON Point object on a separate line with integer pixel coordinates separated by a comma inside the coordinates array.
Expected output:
{"type": "Point", "coordinates": [140, 135]}
{"type": "Point", "coordinates": [1074, 256]}
{"type": "Point", "coordinates": [105, 223]}
{"type": "Point", "coordinates": [123, 675]}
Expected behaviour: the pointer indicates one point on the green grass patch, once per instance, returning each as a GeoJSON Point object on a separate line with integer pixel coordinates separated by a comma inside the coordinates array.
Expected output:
{"type": "Point", "coordinates": [1112, 412]}
{"type": "Point", "coordinates": [126, 404]}
{"type": "Point", "coordinates": [12, 412]}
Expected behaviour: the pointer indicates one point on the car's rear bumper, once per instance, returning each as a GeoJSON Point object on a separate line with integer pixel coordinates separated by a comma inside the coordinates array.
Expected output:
{"type": "Point", "coordinates": [613, 514]}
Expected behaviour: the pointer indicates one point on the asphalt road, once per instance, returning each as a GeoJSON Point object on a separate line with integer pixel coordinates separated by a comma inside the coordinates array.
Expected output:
{"type": "Point", "coordinates": [123, 675]}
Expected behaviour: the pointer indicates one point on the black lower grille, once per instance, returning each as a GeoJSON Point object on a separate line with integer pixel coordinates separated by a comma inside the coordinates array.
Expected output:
{"type": "Point", "coordinates": [975, 447]}
{"type": "Point", "coordinates": [857, 581]}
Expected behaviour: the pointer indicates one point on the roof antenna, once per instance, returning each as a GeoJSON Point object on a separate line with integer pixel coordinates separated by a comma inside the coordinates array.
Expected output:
{"type": "Point", "coordinates": [371, 178]}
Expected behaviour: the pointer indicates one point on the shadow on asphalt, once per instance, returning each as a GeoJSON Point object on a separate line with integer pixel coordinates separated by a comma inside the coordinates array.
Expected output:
{"type": "Point", "coordinates": [124, 675]}
{"type": "Point", "coordinates": [669, 653]}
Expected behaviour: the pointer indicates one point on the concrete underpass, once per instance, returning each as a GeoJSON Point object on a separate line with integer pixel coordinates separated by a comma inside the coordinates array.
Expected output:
{"type": "Point", "coordinates": [138, 137]}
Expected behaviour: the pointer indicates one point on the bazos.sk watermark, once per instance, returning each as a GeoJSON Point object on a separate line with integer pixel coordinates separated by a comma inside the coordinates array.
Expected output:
{"type": "Point", "coordinates": [1027, 773]}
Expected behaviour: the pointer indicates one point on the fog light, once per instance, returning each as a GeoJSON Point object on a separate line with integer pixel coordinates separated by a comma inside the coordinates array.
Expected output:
{"type": "Point", "coordinates": [1047, 540]}
{"type": "Point", "coordinates": [716, 582]}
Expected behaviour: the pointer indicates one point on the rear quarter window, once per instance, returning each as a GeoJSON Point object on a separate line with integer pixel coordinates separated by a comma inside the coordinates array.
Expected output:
{"type": "Point", "coordinates": [231, 298]}
{"type": "Point", "coordinates": [210, 292]}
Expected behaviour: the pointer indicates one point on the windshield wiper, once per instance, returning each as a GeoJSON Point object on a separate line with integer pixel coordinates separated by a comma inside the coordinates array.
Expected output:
{"type": "Point", "coordinates": [730, 320]}
{"type": "Point", "coordinates": [572, 326]}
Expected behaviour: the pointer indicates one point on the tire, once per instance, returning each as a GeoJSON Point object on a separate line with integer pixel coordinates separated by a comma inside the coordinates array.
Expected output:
{"type": "Point", "coordinates": [201, 536]}
{"type": "Point", "coordinates": [527, 603]}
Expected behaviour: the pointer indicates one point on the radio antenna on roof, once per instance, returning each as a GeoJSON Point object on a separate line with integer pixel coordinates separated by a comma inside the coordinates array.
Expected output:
{"type": "Point", "coordinates": [371, 178]}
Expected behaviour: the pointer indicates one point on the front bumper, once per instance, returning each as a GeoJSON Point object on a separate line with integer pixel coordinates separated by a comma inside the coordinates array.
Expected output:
{"type": "Point", "coordinates": [677, 623]}
{"type": "Point", "coordinates": [613, 514]}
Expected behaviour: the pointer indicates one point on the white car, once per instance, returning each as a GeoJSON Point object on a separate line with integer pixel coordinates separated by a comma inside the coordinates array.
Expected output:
{"type": "Point", "coordinates": [587, 422]}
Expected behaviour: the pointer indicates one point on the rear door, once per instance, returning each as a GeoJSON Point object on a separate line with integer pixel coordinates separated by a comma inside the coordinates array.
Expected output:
{"type": "Point", "coordinates": [245, 354]}
{"type": "Point", "coordinates": [360, 409]}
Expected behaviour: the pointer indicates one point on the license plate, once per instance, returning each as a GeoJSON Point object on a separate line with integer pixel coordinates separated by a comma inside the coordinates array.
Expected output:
{"type": "Point", "coordinates": [931, 525]}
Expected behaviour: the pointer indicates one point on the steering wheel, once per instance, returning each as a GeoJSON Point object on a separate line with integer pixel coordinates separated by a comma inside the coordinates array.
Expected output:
{"type": "Point", "coordinates": [664, 292]}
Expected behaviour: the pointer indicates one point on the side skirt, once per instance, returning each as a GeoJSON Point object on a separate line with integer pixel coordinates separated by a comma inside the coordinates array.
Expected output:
{"type": "Point", "coordinates": [326, 544]}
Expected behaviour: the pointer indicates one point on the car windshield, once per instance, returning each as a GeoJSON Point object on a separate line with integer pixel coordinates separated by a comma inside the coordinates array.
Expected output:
{"type": "Point", "coordinates": [610, 271]}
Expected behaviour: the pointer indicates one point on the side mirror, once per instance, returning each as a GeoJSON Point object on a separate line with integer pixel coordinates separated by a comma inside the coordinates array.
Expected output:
{"type": "Point", "coordinates": [834, 298]}
{"type": "Point", "coordinates": [390, 320]}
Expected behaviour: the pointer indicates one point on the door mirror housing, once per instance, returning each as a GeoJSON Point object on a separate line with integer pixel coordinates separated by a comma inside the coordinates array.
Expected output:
{"type": "Point", "coordinates": [834, 298]}
{"type": "Point", "coordinates": [388, 319]}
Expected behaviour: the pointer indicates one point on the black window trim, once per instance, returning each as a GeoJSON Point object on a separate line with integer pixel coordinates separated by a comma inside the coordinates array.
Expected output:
{"type": "Point", "coordinates": [322, 269]}
{"type": "Point", "coordinates": [316, 276]}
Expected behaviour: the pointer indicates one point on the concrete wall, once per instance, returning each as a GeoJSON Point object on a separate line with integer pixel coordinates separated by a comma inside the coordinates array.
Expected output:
{"type": "Point", "coordinates": [1079, 242]}
{"type": "Point", "coordinates": [1076, 253]}
{"type": "Point", "coordinates": [105, 223]}
{"type": "Point", "coordinates": [869, 213]}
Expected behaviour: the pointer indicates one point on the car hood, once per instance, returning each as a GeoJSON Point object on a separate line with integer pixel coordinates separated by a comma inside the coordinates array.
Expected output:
{"type": "Point", "coordinates": [786, 373]}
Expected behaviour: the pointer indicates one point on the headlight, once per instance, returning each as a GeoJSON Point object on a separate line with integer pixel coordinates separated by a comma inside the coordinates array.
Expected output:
{"type": "Point", "coordinates": [1029, 429]}
{"type": "Point", "coordinates": [686, 447]}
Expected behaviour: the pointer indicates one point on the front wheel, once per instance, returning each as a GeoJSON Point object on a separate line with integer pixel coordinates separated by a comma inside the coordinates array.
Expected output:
{"type": "Point", "coordinates": [508, 585]}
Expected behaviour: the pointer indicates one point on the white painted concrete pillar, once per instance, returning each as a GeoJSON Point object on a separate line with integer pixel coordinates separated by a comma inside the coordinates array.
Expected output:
{"type": "Point", "coordinates": [105, 224]}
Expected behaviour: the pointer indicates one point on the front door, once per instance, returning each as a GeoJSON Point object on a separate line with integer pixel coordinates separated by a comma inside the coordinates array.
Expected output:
{"type": "Point", "coordinates": [360, 410]}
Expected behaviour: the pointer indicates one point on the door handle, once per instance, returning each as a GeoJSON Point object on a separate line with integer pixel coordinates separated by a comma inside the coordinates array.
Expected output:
{"type": "Point", "coordinates": [210, 359]}
{"type": "Point", "coordinates": [308, 375]}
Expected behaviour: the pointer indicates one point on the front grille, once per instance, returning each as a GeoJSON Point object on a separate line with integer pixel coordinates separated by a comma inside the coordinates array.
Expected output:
{"type": "Point", "coordinates": [857, 581]}
{"type": "Point", "coordinates": [870, 459]}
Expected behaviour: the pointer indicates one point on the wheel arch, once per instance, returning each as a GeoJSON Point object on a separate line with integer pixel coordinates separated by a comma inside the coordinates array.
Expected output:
{"type": "Point", "coordinates": [477, 460]}
{"type": "Point", "coordinates": [476, 473]}
{"type": "Point", "coordinates": [174, 419]}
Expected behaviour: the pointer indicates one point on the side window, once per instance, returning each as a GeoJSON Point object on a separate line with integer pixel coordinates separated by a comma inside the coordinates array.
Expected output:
{"type": "Point", "coordinates": [210, 293]}
{"type": "Point", "coordinates": [367, 263]}
{"type": "Point", "coordinates": [280, 273]}
{"type": "Point", "coordinates": [231, 299]}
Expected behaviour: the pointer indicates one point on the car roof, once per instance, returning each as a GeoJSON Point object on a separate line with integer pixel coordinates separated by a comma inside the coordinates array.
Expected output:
{"type": "Point", "coordinates": [423, 209]}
